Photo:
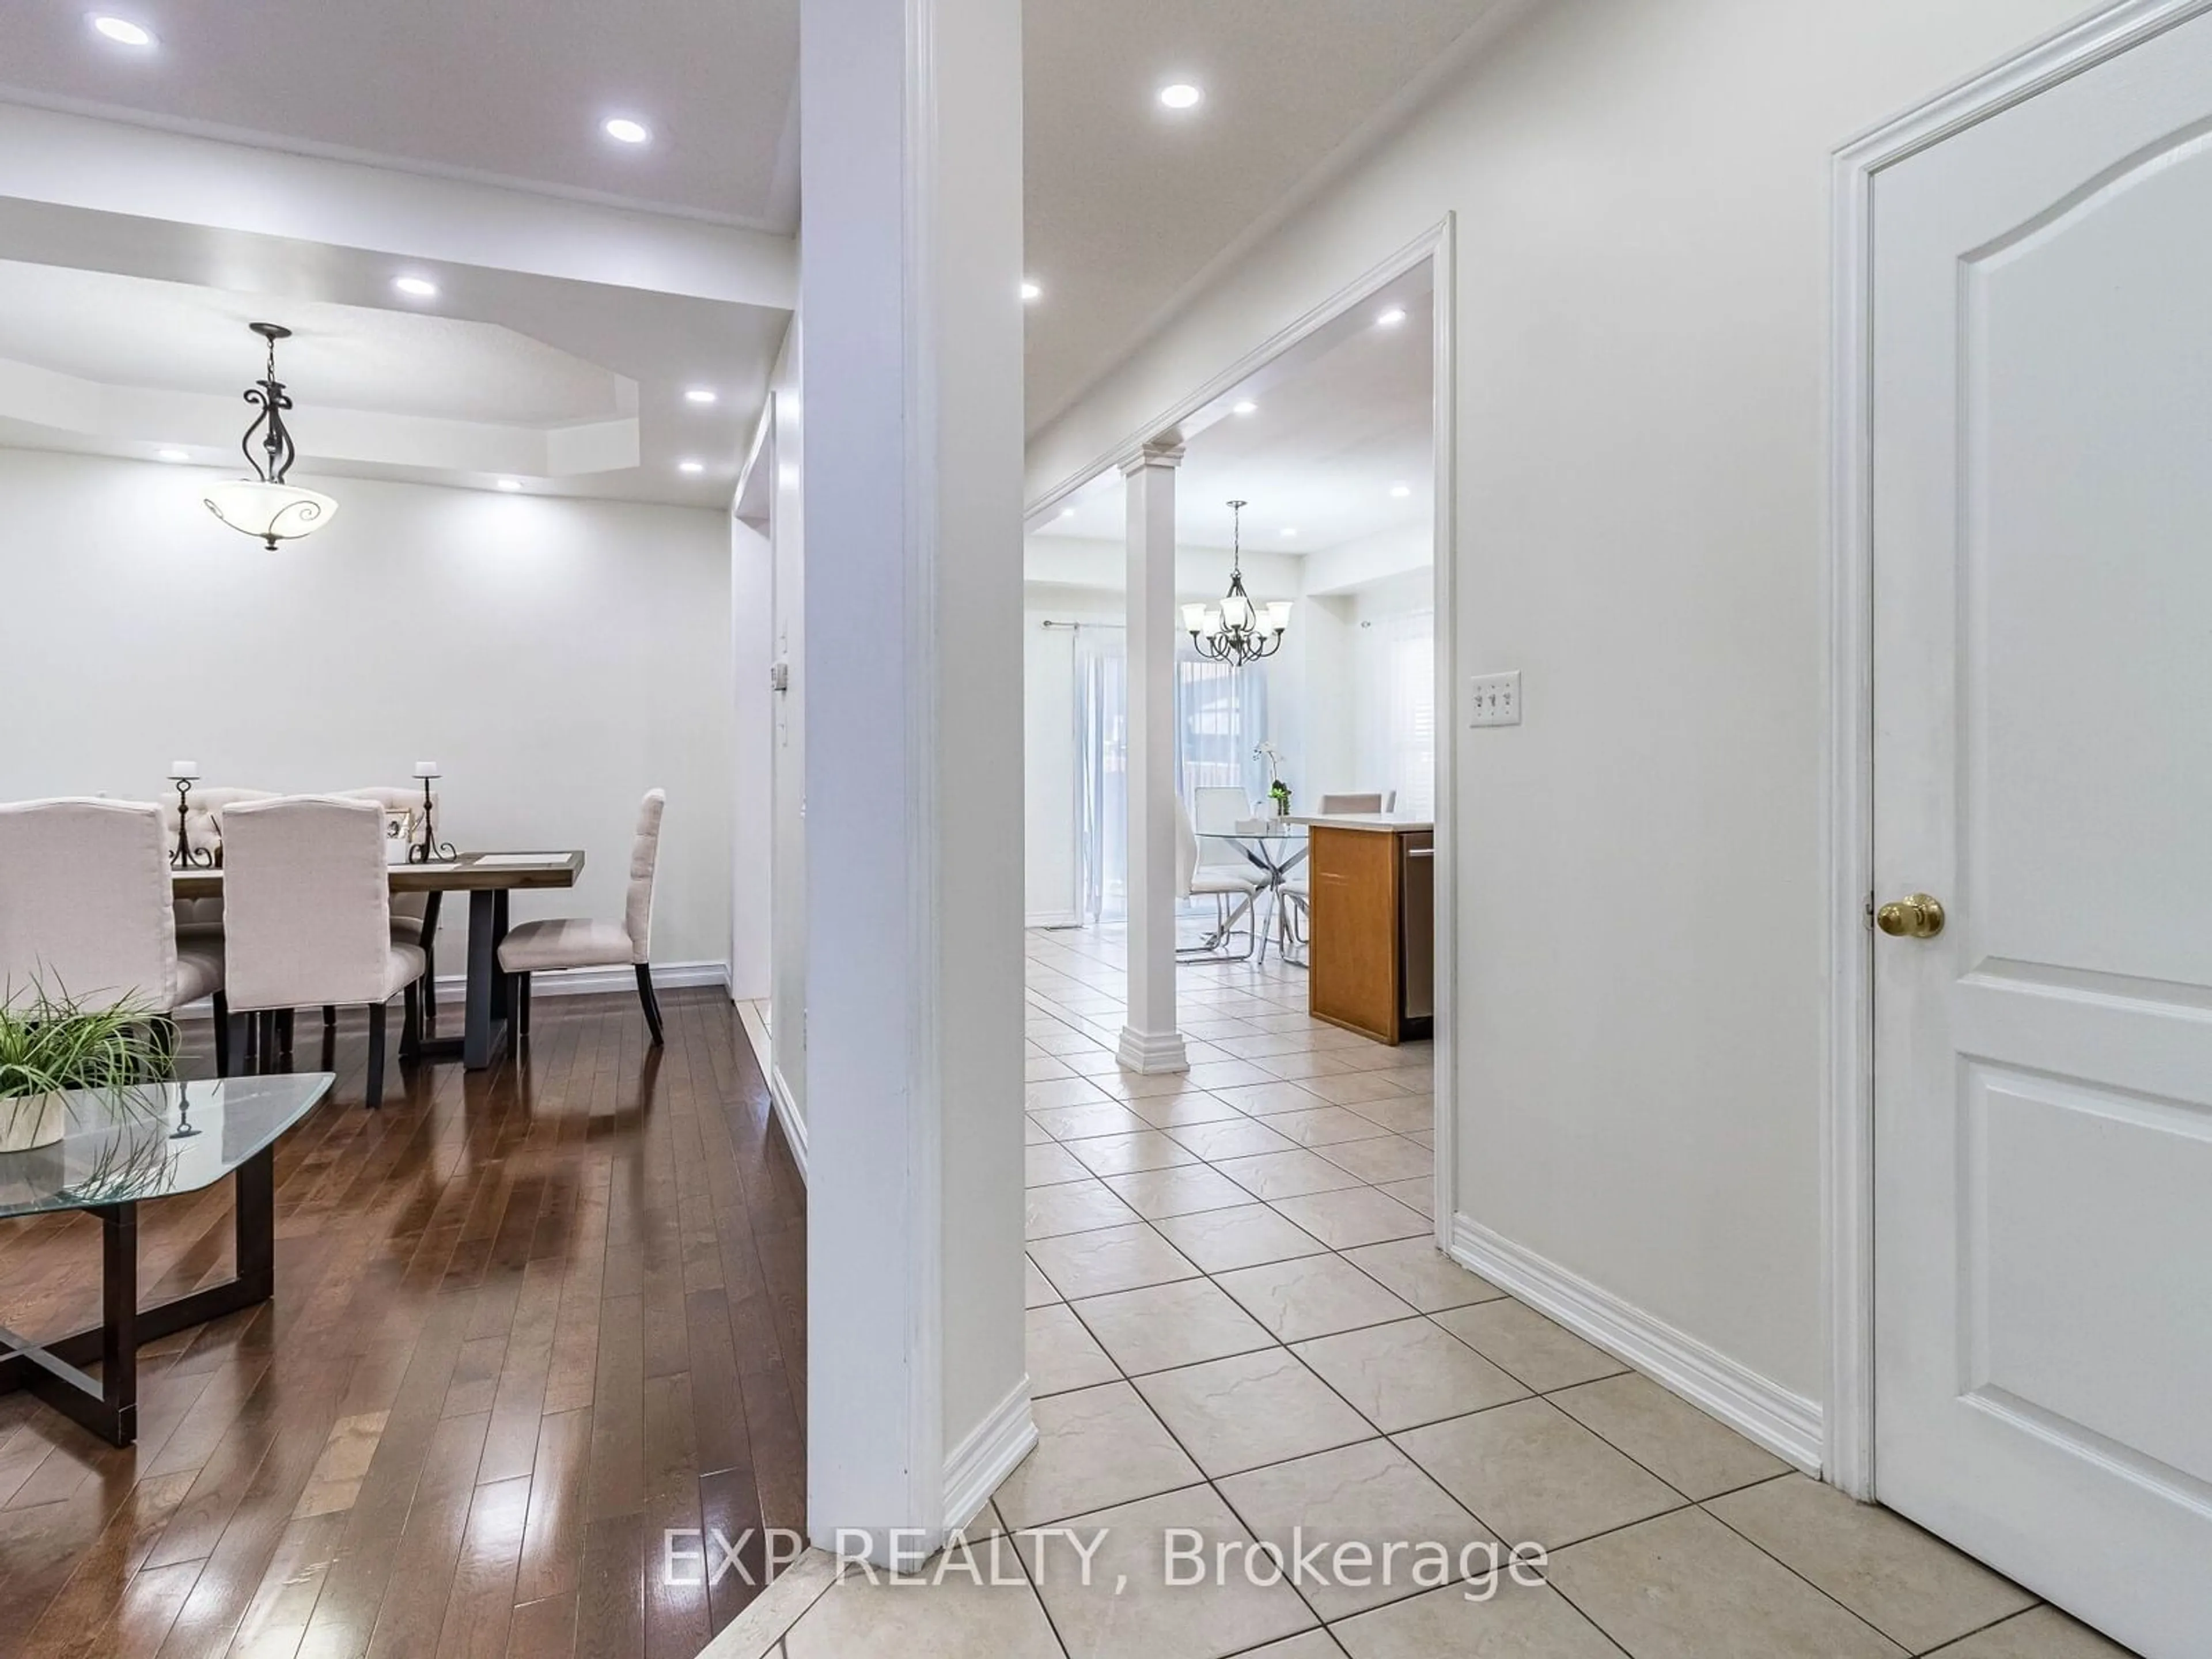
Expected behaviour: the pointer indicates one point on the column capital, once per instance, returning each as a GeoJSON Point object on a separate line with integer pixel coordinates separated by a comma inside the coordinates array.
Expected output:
{"type": "Point", "coordinates": [1160, 451]}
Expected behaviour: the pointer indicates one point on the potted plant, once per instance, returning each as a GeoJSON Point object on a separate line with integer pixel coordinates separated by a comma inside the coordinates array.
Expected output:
{"type": "Point", "coordinates": [51, 1046]}
{"type": "Point", "coordinates": [1279, 792]}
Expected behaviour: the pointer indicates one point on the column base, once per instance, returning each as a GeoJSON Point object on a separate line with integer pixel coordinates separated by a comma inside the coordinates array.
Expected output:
{"type": "Point", "coordinates": [1150, 1053]}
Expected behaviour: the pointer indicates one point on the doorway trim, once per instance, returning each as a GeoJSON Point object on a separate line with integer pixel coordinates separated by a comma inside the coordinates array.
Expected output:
{"type": "Point", "coordinates": [1847, 1140]}
{"type": "Point", "coordinates": [1434, 247]}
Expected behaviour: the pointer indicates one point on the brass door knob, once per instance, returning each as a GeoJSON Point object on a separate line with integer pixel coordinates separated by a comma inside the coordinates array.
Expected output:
{"type": "Point", "coordinates": [1918, 917]}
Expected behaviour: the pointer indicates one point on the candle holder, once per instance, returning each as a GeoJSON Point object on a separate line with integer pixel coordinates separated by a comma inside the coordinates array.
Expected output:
{"type": "Point", "coordinates": [185, 856]}
{"type": "Point", "coordinates": [427, 848]}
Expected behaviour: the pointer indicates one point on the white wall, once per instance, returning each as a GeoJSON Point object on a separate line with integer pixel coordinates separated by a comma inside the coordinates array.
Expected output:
{"type": "Point", "coordinates": [1642, 199]}
{"type": "Point", "coordinates": [1051, 754]}
{"type": "Point", "coordinates": [753, 752]}
{"type": "Point", "coordinates": [787, 452]}
{"type": "Point", "coordinates": [559, 658]}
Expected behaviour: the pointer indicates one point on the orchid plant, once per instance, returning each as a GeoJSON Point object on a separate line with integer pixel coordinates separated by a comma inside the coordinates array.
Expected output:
{"type": "Point", "coordinates": [1277, 791]}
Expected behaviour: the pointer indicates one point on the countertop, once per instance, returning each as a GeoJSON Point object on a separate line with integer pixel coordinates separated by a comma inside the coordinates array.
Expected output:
{"type": "Point", "coordinates": [1383, 822]}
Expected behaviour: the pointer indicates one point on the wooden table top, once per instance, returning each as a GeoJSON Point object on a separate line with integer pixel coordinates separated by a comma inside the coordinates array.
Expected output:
{"type": "Point", "coordinates": [471, 873]}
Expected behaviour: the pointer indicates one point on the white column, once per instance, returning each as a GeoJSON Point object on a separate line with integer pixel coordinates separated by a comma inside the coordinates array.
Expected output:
{"type": "Point", "coordinates": [1150, 1041]}
{"type": "Point", "coordinates": [911, 369]}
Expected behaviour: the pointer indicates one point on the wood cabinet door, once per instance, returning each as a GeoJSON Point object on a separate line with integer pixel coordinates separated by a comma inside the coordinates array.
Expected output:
{"type": "Point", "coordinates": [1352, 975]}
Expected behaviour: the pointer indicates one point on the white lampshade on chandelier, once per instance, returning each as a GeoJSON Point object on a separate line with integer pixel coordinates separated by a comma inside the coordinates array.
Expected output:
{"type": "Point", "coordinates": [1240, 631]}
{"type": "Point", "coordinates": [264, 505]}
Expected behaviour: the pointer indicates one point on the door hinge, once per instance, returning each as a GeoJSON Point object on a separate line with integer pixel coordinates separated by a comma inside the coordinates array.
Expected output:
{"type": "Point", "coordinates": [1867, 920]}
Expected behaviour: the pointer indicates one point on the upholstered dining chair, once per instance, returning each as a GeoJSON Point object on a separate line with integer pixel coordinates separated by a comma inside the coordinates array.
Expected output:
{"type": "Point", "coordinates": [201, 919]}
{"type": "Point", "coordinates": [85, 911]}
{"type": "Point", "coordinates": [1332, 806]}
{"type": "Point", "coordinates": [307, 917]}
{"type": "Point", "coordinates": [414, 916]}
{"type": "Point", "coordinates": [542, 947]}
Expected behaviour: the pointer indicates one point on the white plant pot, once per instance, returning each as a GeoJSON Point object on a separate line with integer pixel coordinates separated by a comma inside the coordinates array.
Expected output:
{"type": "Point", "coordinates": [29, 1122]}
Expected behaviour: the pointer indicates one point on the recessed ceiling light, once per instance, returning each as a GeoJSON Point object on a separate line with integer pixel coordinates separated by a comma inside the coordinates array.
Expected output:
{"type": "Point", "coordinates": [1067, 512]}
{"type": "Point", "coordinates": [419, 288]}
{"type": "Point", "coordinates": [1390, 318]}
{"type": "Point", "coordinates": [700, 394]}
{"type": "Point", "coordinates": [1401, 490]}
{"type": "Point", "coordinates": [172, 454]}
{"type": "Point", "coordinates": [1031, 291]}
{"type": "Point", "coordinates": [624, 131]}
{"type": "Point", "coordinates": [510, 485]}
{"type": "Point", "coordinates": [1288, 531]}
{"type": "Point", "coordinates": [123, 31]}
{"type": "Point", "coordinates": [1248, 407]}
{"type": "Point", "coordinates": [1181, 94]}
{"type": "Point", "coordinates": [690, 466]}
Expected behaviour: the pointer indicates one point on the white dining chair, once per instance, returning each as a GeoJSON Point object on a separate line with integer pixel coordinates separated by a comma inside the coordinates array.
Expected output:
{"type": "Point", "coordinates": [1343, 806]}
{"type": "Point", "coordinates": [202, 918]}
{"type": "Point", "coordinates": [544, 947]}
{"type": "Point", "coordinates": [85, 911]}
{"type": "Point", "coordinates": [414, 916]}
{"type": "Point", "coordinates": [1220, 883]}
{"type": "Point", "coordinates": [307, 918]}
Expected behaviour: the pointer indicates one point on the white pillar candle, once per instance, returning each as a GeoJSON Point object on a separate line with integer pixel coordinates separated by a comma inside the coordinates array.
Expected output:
{"type": "Point", "coordinates": [183, 769]}
{"type": "Point", "coordinates": [425, 768]}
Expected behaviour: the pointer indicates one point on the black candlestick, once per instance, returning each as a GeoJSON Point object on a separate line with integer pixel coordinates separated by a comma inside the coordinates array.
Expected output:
{"type": "Point", "coordinates": [186, 857]}
{"type": "Point", "coordinates": [428, 849]}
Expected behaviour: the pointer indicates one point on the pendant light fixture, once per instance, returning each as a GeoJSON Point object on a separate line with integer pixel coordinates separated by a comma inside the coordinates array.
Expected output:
{"type": "Point", "coordinates": [264, 505]}
{"type": "Point", "coordinates": [1239, 632]}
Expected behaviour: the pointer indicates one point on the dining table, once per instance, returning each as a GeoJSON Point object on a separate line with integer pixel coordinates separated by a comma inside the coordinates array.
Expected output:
{"type": "Point", "coordinates": [1274, 847]}
{"type": "Point", "coordinates": [488, 878]}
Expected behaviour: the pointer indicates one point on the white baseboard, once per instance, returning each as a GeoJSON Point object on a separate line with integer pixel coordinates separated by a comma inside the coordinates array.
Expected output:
{"type": "Point", "coordinates": [786, 1114]}
{"type": "Point", "coordinates": [1052, 918]}
{"type": "Point", "coordinates": [1757, 1408]}
{"type": "Point", "coordinates": [599, 982]}
{"type": "Point", "coordinates": [750, 1015]}
{"type": "Point", "coordinates": [454, 988]}
{"type": "Point", "coordinates": [979, 1463]}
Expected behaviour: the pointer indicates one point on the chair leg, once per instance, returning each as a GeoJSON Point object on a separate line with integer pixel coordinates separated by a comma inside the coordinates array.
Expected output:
{"type": "Point", "coordinates": [329, 1016]}
{"type": "Point", "coordinates": [264, 1038]}
{"type": "Point", "coordinates": [521, 987]}
{"type": "Point", "coordinates": [284, 1033]}
{"type": "Point", "coordinates": [222, 1034]}
{"type": "Point", "coordinates": [651, 1005]}
{"type": "Point", "coordinates": [248, 1036]}
{"type": "Point", "coordinates": [376, 1011]}
{"type": "Point", "coordinates": [411, 1030]}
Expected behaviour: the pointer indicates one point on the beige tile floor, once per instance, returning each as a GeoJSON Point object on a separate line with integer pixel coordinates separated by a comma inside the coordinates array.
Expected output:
{"type": "Point", "coordinates": [1239, 1323]}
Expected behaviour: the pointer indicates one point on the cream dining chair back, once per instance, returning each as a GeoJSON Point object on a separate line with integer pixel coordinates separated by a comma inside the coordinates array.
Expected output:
{"type": "Point", "coordinates": [85, 910]}
{"type": "Point", "coordinates": [414, 916]}
{"type": "Point", "coordinates": [307, 917]}
{"type": "Point", "coordinates": [1335, 805]}
{"type": "Point", "coordinates": [544, 947]}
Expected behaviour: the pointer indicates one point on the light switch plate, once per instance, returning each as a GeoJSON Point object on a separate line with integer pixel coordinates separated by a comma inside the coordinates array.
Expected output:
{"type": "Point", "coordinates": [1495, 698]}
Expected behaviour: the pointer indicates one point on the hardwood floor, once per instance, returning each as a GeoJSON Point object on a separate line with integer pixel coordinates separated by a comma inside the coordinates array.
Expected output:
{"type": "Point", "coordinates": [525, 1321]}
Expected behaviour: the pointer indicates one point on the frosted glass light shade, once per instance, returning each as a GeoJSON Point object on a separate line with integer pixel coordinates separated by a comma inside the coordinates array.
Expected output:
{"type": "Point", "coordinates": [1237, 612]}
{"type": "Point", "coordinates": [274, 512]}
{"type": "Point", "coordinates": [1212, 624]}
{"type": "Point", "coordinates": [1279, 615]}
{"type": "Point", "coordinates": [1194, 619]}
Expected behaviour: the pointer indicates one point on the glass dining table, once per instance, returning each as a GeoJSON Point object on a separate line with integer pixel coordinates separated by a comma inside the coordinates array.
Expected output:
{"type": "Point", "coordinates": [1273, 849]}
{"type": "Point", "coordinates": [118, 1147]}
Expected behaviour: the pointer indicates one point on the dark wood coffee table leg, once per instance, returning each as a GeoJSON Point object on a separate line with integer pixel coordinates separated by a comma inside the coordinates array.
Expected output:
{"type": "Point", "coordinates": [109, 1405]}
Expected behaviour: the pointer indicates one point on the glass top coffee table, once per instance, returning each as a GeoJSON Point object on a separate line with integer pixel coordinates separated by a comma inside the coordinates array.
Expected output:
{"type": "Point", "coordinates": [119, 1147]}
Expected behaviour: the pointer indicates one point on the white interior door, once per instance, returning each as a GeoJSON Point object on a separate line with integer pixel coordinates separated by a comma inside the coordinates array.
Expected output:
{"type": "Point", "coordinates": [2043, 765]}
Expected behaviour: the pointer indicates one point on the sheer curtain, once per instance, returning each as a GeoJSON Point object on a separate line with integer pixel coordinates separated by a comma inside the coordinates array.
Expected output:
{"type": "Point", "coordinates": [1102, 823]}
{"type": "Point", "coordinates": [1409, 710]}
{"type": "Point", "coordinates": [1221, 716]}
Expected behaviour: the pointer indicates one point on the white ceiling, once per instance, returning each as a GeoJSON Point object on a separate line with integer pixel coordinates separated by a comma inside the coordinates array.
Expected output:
{"type": "Point", "coordinates": [504, 93]}
{"type": "Point", "coordinates": [1129, 204]}
{"type": "Point", "coordinates": [1337, 426]}
{"type": "Point", "coordinates": [569, 387]}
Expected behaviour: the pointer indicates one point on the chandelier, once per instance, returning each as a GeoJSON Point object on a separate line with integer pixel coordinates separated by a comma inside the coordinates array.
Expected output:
{"type": "Point", "coordinates": [264, 505]}
{"type": "Point", "coordinates": [1239, 632]}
